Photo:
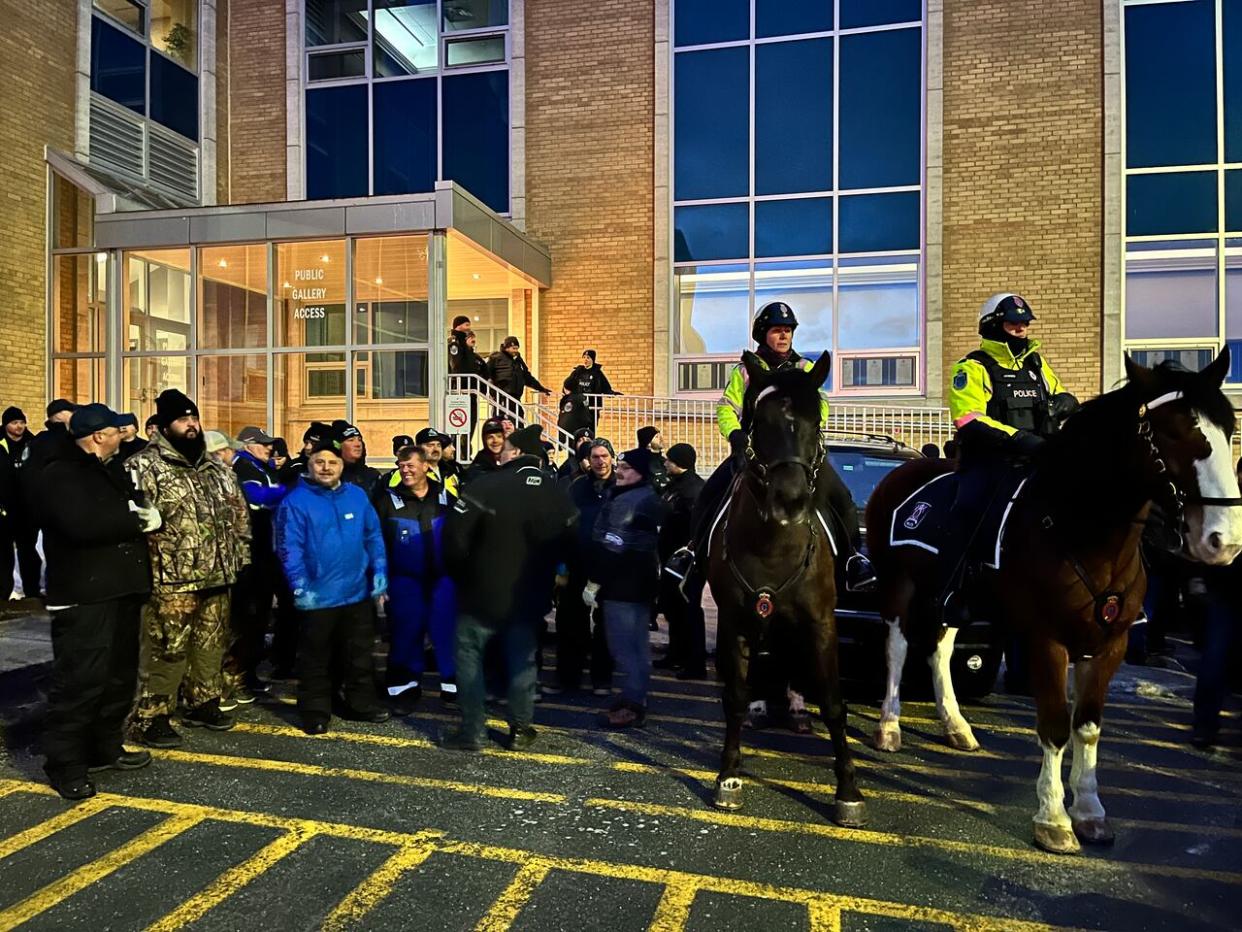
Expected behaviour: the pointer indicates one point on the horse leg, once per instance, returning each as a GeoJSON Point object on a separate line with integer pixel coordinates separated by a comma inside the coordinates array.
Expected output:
{"type": "Point", "coordinates": [732, 665]}
{"type": "Point", "coordinates": [850, 811]}
{"type": "Point", "coordinates": [1091, 679]}
{"type": "Point", "coordinates": [956, 729]}
{"type": "Point", "coordinates": [888, 732]}
{"type": "Point", "coordinates": [1049, 665]}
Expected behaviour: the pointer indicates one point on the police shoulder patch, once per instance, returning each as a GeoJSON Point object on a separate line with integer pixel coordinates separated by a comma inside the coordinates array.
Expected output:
{"type": "Point", "coordinates": [453, 350]}
{"type": "Point", "coordinates": [959, 379]}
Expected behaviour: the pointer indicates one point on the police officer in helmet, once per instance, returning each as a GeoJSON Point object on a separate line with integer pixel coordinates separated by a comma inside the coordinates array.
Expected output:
{"type": "Point", "coordinates": [773, 332]}
{"type": "Point", "coordinates": [1005, 401]}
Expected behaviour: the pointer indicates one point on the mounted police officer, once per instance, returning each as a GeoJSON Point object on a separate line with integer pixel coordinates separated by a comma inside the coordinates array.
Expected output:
{"type": "Point", "coordinates": [1005, 401]}
{"type": "Point", "coordinates": [773, 332]}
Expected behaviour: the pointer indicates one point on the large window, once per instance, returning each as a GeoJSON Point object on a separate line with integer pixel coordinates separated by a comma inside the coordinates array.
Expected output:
{"type": "Point", "coordinates": [797, 176]}
{"type": "Point", "coordinates": [1183, 188]}
{"type": "Point", "coordinates": [400, 93]}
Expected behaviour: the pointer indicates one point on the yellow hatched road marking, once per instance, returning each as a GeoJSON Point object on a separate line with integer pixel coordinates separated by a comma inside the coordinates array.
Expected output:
{"type": "Point", "coordinates": [42, 900]}
{"type": "Point", "coordinates": [232, 880]}
{"type": "Point", "coordinates": [372, 891]}
{"type": "Point", "coordinates": [673, 911]}
{"type": "Point", "coordinates": [824, 917]}
{"type": "Point", "coordinates": [83, 810]}
{"type": "Point", "coordinates": [507, 906]}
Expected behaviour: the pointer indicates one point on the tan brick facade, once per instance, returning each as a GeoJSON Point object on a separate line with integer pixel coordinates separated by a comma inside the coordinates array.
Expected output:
{"type": "Point", "coordinates": [252, 100]}
{"type": "Point", "coordinates": [590, 91]}
{"type": "Point", "coordinates": [1023, 173]}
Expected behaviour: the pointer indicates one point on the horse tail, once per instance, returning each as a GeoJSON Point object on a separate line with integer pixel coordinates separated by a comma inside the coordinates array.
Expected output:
{"type": "Point", "coordinates": [891, 491]}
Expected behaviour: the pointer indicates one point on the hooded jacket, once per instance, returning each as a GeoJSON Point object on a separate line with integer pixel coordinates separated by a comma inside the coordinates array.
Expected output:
{"type": "Point", "coordinates": [329, 544]}
{"type": "Point", "coordinates": [624, 557]}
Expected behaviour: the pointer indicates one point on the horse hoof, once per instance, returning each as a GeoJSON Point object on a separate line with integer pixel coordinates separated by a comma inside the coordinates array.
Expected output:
{"type": "Point", "coordinates": [850, 814]}
{"type": "Point", "coordinates": [1056, 839]}
{"type": "Point", "coordinates": [962, 740]}
{"type": "Point", "coordinates": [1094, 831]}
{"type": "Point", "coordinates": [728, 794]}
{"type": "Point", "coordinates": [887, 738]}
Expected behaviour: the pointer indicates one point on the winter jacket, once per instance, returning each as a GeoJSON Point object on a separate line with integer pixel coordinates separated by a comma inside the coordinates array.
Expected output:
{"type": "Point", "coordinates": [360, 474]}
{"type": "Point", "coordinates": [503, 541]}
{"type": "Point", "coordinates": [129, 447]}
{"type": "Point", "coordinates": [575, 414]}
{"type": "Point", "coordinates": [204, 540]}
{"type": "Point", "coordinates": [462, 360]}
{"type": "Point", "coordinates": [264, 493]}
{"type": "Point", "coordinates": [94, 544]}
{"type": "Point", "coordinates": [511, 374]}
{"type": "Point", "coordinates": [482, 464]}
{"type": "Point", "coordinates": [588, 495]}
{"type": "Point", "coordinates": [682, 492]}
{"type": "Point", "coordinates": [729, 408]}
{"type": "Point", "coordinates": [584, 381]}
{"type": "Point", "coordinates": [55, 441]}
{"type": "Point", "coordinates": [624, 556]}
{"type": "Point", "coordinates": [329, 544]}
{"type": "Point", "coordinates": [413, 529]}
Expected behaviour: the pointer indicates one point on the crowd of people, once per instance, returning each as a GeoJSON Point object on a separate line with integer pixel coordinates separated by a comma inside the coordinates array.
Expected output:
{"type": "Point", "coordinates": [178, 564]}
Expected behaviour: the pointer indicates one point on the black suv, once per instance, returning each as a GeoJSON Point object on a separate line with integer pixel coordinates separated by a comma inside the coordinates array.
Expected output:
{"type": "Point", "coordinates": [862, 460]}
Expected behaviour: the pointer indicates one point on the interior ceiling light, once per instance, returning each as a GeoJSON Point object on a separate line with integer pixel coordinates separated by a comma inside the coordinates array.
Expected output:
{"type": "Point", "coordinates": [476, 276]}
{"type": "Point", "coordinates": [286, 284]}
{"type": "Point", "coordinates": [223, 263]}
{"type": "Point", "coordinates": [325, 258]}
{"type": "Point", "coordinates": [378, 280]}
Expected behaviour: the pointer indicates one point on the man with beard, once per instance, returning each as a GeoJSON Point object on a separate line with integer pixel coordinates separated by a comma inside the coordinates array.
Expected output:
{"type": "Point", "coordinates": [21, 529]}
{"type": "Point", "coordinates": [196, 556]}
{"type": "Point", "coordinates": [354, 454]}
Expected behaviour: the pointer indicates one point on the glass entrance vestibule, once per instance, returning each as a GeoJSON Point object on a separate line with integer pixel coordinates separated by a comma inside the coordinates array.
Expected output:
{"type": "Point", "coordinates": [281, 314]}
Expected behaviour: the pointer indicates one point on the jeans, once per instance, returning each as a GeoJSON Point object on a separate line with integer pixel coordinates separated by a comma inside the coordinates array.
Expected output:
{"type": "Point", "coordinates": [629, 639]}
{"type": "Point", "coordinates": [517, 637]}
{"type": "Point", "coordinates": [1212, 684]}
{"type": "Point", "coordinates": [341, 636]}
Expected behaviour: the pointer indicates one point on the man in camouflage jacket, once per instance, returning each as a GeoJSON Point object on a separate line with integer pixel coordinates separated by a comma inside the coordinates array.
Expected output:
{"type": "Point", "coordinates": [195, 557]}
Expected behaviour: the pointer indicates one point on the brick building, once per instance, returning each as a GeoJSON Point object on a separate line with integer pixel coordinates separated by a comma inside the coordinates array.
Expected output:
{"type": "Point", "coordinates": [635, 177]}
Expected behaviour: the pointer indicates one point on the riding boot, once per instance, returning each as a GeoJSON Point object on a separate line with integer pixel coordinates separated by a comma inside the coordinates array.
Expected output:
{"type": "Point", "coordinates": [707, 508]}
{"type": "Point", "coordinates": [833, 497]}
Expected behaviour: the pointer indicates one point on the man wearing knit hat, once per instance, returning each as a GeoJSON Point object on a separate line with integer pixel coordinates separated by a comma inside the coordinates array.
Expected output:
{"type": "Point", "coordinates": [507, 370]}
{"type": "Point", "coordinates": [196, 556]}
{"type": "Point", "coordinates": [687, 636]}
{"type": "Point", "coordinates": [21, 530]}
{"type": "Point", "coordinates": [131, 443]}
{"type": "Point", "coordinates": [487, 460]}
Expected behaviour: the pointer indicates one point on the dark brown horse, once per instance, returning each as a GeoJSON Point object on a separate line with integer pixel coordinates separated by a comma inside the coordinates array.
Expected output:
{"type": "Point", "coordinates": [1070, 581]}
{"type": "Point", "coordinates": [772, 574]}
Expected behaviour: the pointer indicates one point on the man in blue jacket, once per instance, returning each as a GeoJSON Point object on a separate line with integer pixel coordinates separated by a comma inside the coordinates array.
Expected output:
{"type": "Point", "coordinates": [329, 543]}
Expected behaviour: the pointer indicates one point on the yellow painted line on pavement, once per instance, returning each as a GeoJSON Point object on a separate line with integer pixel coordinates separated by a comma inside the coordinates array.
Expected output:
{"type": "Point", "coordinates": [232, 880]}
{"type": "Point", "coordinates": [889, 839]}
{"type": "Point", "coordinates": [59, 890]}
{"type": "Point", "coordinates": [503, 912]}
{"type": "Point", "coordinates": [24, 839]}
{"type": "Point", "coordinates": [824, 917]}
{"type": "Point", "coordinates": [372, 776]}
{"type": "Point", "coordinates": [673, 911]}
{"type": "Point", "coordinates": [372, 891]}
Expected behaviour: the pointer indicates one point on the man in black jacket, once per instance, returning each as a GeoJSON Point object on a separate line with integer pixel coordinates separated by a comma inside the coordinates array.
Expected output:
{"type": "Point", "coordinates": [354, 453]}
{"type": "Point", "coordinates": [525, 525]}
{"type": "Point", "coordinates": [98, 576]}
{"type": "Point", "coordinates": [687, 635]}
{"type": "Point", "coordinates": [20, 524]}
{"type": "Point", "coordinates": [507, 370]}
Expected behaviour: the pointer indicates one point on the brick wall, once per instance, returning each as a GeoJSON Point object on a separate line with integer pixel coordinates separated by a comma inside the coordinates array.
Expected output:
{"type": "Point", "coordinates": [38, 49]}
{"type": "Point", "coordinates": [253, 103]}
{"type": "Point", "coordinates": [1023, 173]}
{"type": "Point", "coordinates": [590, 91]}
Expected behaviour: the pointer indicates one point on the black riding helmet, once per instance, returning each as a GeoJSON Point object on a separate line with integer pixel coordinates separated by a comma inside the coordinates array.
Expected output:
{"type": "Point", "coordinates": [772, 314]}
{"type": "Point", "coordinates": [1004, 307]}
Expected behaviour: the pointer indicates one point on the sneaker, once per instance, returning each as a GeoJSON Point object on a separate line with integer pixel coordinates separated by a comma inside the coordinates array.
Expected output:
{"type": "Point", "coordinates": [257, 687]}
{"type": "Point", "coordinates": [404, 702]}
{"type": "Point", "coordinates": [859, 575]}
{"type": "Point", "coordinates": [159, 733]}
{"type": "Point", "coordinates": [209, 716]}
{"type": "Point", "coordinates": [448, 692]}
{"type": "Point", "coordinates": [126, 760]}
{"type": "Point", "coordinates": [228, 703]}
{"type": "Point", "coordinates": [74, 788]}
{"type": "Point", "coordinates": [460, 741]}
{"type": "Point", "coordinates": [243, 695]}
{"type": "Point", "coordinates": [523, 738]}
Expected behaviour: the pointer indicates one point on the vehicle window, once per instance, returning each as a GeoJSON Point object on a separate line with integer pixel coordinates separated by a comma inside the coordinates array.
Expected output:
{"type": "Point", "coordinates": [862, 472]}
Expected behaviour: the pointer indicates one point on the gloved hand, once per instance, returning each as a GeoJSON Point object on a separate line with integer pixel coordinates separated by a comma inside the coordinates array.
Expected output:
{"type": "Point", "coordinates": [1063, 405]}
{"type": "Point", "coordinates": [379, 585]}
{"type": "Point", "coordinates": [738, 444]}
{"type": "Point", "coordinates": [589, 595]}
{"type": "Point", "coordinates": [304, 600]}
{"type": "Point", "coordinates": [1025, 443]}
{"type": "Point", "coordinates": [148, 516]}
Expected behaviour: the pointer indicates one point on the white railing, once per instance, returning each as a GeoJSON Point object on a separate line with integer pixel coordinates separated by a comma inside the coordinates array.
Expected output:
{"type": "Point", "coordinates": [489, 400]}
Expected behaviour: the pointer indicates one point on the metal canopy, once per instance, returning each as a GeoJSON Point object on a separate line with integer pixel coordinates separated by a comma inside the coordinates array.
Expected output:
{"type": "Point", "coordinates": [449, 207]}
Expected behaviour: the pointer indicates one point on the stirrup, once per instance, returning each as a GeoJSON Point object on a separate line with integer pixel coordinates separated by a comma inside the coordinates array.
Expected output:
{"type": "Point", "coordinates": [859, 574]}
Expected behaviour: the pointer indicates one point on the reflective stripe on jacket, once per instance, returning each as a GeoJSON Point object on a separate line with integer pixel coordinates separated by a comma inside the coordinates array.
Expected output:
{"type": "Point", "coordinates": [729, 408]}
{"type": "Point", "coordinates": [971, 388]}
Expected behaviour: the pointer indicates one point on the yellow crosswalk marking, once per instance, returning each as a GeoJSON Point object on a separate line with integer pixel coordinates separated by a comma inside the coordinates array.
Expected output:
{"type": "Point", "coordinates": [673, 911]}
{"type": "Point", "coordinates": [42, 900]}
{"type": "Point", "coordinates": [83, 810]}
{"type": "Point", "coordinates": [368, 894]}
{"type": "Point", "coordinates": [507, 906]}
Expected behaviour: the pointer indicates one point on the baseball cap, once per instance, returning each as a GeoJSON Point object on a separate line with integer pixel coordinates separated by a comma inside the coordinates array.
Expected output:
{"type": "Point", "coordinates": [90, 418]}
{"type": "Point", "coordinates": [400, 442]}
{"type": "Point", "coordinates": [215, 440]}
{"type": "Point", "coordinates": [253, 435]}
{"type": "Point", "coordinates": [59, 405]}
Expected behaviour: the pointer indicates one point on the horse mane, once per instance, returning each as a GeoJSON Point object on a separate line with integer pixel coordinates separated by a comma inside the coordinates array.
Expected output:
{"type": "Point", "coordinates": [794, 384]}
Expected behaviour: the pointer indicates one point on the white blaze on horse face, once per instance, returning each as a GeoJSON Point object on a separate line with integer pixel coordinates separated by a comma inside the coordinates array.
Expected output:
{"type": "Point", "coordinates": [1051, 791]}
{"type": "Point", "coordinates": [1087, 805]}
{"type": "Point", "coordinates": [1215, 531]}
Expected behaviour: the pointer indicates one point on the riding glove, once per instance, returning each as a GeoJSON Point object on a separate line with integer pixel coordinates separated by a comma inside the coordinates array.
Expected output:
{"type": "Point", "coordinates": [738, 443]}
{"type": "Point", "coordinates": [1026, 443]}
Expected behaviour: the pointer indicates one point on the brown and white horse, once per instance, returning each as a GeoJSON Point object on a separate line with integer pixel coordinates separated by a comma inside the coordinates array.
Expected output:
{"type": "Point", "coordinates": [1070, 581]}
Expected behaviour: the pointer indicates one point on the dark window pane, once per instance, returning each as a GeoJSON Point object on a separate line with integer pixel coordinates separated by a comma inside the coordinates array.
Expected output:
{"type": "Point", "coordinates": [855, 13]}
{"type": "Point", "coordinates": [405, 136]}
{"type": "Point", "coordinates": [336, 142]}
{"type": "Point", "coordinates": [880, 121]}
{"type": "Point", "coordinates": [1232, 42]}
{"type": "Point", "coordinates": [475, 14]}
{"type": "Point", "coordinates": [476, 135]}
{"type": "Point", "coordinates": [711, 231]}
{"type": "Point", "coordinates": [879, 222]}
{"type": "Point", "coordinates": [486, 50]}
{"type": "Point", "coordinates": [781, 18]}
{"type": "Point", "coordinates": [793, 228]}
{"type": "Point", "coordinates": [330, 22]}
{"type": "Point", "coordinates": [118, 66]}
{"type": "Point", "coordinates": [406, 37]}
{"type": "Point", "coordinates": [699, 22]}
{"type": "Point", "coordinates": [1170, 84]}
{"type": "Point", "coordinates": [330, 65]}
{"type": "Point", "coordinates": [793, 117]}
{"type": "Point", "coordinates": [174, 96]}
{"type": "Point", "coordinates": [1233, 201]}
{"type": "Point", "coordinates": [1183, 202]}
{"type": "Point", "coordinates": [711, 134]}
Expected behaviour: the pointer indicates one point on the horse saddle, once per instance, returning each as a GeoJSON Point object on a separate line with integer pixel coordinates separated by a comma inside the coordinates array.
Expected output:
{"type": "Point", "coordinates": [922, 520]}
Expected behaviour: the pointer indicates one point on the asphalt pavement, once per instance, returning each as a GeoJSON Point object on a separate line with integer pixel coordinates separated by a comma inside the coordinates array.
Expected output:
{"type": "Point", "coordinates": [373, 826]}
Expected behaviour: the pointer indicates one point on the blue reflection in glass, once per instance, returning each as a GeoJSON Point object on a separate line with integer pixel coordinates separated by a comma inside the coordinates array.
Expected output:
{"type": "Point", "coordinates": [118, 66]}
{"type": "Point", "coordinates": [1180, 202]}
{"type": "Point", "coordinates": [806, 286]}
{"type": "Point", "coordinates": [878, 303]}
{"type": "Point", "coordinates": [855, 13]}
{"type": "Point", "coordinates": [782, 18]}
{"type": "Point", "coordinates": [405, 136]}
{"type": "Point", "coordinates": [700, 22]}
{"type": "Point", "coordinates": [174, 96]}
{"type": "Point", "coordinates": [880, 121]}
{"type": "Point", "coordinates": [711, 132]}
{"type": "Point", "coordinates": [793, 117]}
{"type": "Point", "coordinates": [336, 142]}
{"type": "Point", "coordinates": [1233, 201]}
{"type": "Point", "coordinates": [1231, 39]}
{"type": "Point", "coordinates": [879, 222]}
{"type": "Point", "coordinates": [713, 308]}
{"type": "Point", "coordinates": [711, 231]}
{"type": "Point", "coordinates": [476, 135]}
{"type": "Point", "coordinates": [793, 228]}
{"type": "Point", "coordinates": [1170, 84]}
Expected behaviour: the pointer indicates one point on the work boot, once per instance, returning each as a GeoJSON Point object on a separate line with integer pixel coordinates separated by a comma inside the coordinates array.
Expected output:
{"type": "Point", "coordinates": [126, 760]}
{"type": "Point", "coordinates": [74, 788]}
{"type": "Point", "coordinates": [403, 702]}
{"type": "Point", "coordinates": [315, 724]}
{"type": "Point", "coordinates": [523, 738]}
{"type": "Point", "coordinates": [209, 716]}
{"type": "Point", "coordinates": [448, 692]}
{"type": "Point", "coordinates": [159, 733]}
{"type": "Point", "coordinates": [460, 741]}
{"type": "Point", "coordinates": [859, 575]}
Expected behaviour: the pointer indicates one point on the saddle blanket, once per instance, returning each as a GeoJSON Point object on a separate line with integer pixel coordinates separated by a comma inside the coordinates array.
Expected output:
{"type": "Point", "coordinates": [921, 519]}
